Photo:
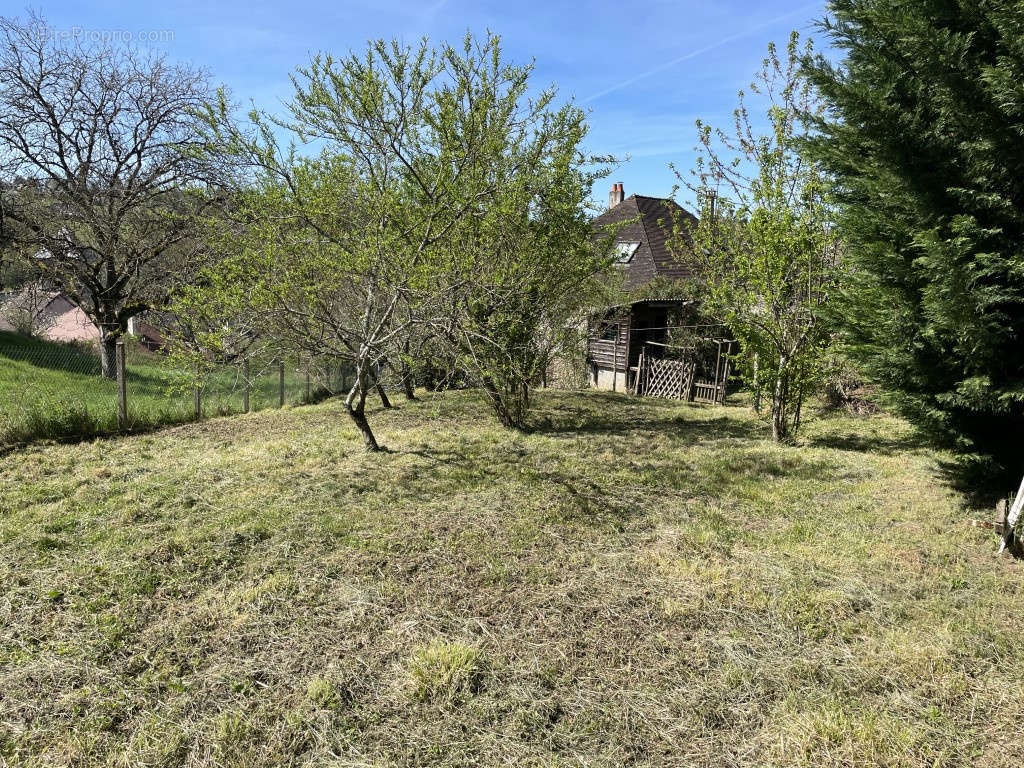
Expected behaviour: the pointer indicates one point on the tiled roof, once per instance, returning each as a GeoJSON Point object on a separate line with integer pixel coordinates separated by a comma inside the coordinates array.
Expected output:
{"type": "Point", "coordinates": [650, 224]}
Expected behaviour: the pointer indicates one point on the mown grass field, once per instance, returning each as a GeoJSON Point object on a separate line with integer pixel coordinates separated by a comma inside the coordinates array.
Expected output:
{"type": "Point", "coordinates": [50, 390]}
{"type": "Point", "coordinates": [636, 583]}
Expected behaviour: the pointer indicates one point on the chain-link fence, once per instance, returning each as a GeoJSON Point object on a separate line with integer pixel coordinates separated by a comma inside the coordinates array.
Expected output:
{"type": "Point", "coordinates": [56, 391]}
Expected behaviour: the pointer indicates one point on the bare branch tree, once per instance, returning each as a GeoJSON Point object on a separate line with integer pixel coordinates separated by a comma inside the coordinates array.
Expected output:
{"type": "Point", "coordinates": [98, 154]}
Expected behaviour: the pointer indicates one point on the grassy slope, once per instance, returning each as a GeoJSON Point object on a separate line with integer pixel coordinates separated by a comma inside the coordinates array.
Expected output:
{"type": "Point", "coordinates": [50, 390]}
{"type": "Point", "coordinates": [642, 584]}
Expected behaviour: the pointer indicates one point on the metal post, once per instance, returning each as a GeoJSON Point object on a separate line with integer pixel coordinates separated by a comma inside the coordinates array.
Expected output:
{"type": "Point", "coordinates": [122, 390]}
{"type": "Point", "coordinates": [280, 378]}
{"type": "Point", "coordinates": [307, 382]}
{"type": "Point", "coordinates": [245, 374]}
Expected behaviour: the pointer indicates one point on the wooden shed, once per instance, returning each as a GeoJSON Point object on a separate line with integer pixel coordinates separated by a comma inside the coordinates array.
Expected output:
{"type": "Point", "coordinates": [655, 346]}
{"type": "Point", "coordinates": [616, 339]}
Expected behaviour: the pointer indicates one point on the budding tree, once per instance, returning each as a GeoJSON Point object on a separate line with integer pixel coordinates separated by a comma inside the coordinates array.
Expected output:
{"type": "Point", "coordinates": [533, 263]}
{"type": "Point", "coordinates": [766, 238]}
{"type": "Point", "coordinates": [346, 251]}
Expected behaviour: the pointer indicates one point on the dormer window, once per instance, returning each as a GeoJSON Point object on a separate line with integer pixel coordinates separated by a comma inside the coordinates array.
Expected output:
{"type": "Point", "coordinates": [624, 252]}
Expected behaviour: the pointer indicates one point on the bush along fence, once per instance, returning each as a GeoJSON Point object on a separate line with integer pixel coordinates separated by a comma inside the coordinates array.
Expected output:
{"type": "Point", "coordinates": [56, 391]}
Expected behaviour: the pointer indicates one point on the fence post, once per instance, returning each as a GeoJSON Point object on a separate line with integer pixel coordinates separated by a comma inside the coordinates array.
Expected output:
{"type": "Point", "coordinates": [639, 389]}
{"type": "Point", "coordinates": [280, 379]}
{"type": "Point", "coordinates": [245, 374]}
{"type": "Point", "coordinates": [718, 365]}
{"type": "Point", "coordinates": [725, 371]}
{"type": "Point", "coordinates": [197, 396]}
{"type": "Point", "coordinates": [122, 390]}
{"type": "Point", "coordinates": [615, 357]}
{"type": "Point", "coordinates": [307, 381]}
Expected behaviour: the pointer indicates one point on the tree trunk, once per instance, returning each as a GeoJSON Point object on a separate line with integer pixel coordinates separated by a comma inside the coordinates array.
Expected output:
{"type": "Point", "coordinates": [497, 403]}
{"type": "Point", "coordinates": [384, 401]}
{"type": "Point", "coordinates": [779, 427]}
{"type": "Point", "coordinates": [405, 371]}
{"type": "Point", "coordinates": [510, 406]}
{"type": "Point", "coordinates": [797, 411]}
{"type": "Point", "coordinates": [359, 417]}
{"type": "Point", "coordinates": [355, 404]}
{"type": "Point", "coordinates": [108, 356]}
{"type": "Point", "coordinates": [524, 404]}
{"type": "Point", "coordinates": [778, 422]}
{"type": "Point", "coordinates": [383, 395]}
{"type": "Point", "coordinates": [407, 387]}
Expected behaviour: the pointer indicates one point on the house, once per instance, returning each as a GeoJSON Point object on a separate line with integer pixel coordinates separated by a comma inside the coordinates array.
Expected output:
{"type": "Point", "coordinates": [642, 244]}
{"type": "Point", "coordinates": [47, 314]}
{"type": "Point", "coordinates": [657, 346]}
{"type": "Point", "coordinates": [52, 315]}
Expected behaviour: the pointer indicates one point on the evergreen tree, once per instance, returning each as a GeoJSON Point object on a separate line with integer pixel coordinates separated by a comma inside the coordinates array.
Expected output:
{"type": "Point", "coordinates": [923, 135]}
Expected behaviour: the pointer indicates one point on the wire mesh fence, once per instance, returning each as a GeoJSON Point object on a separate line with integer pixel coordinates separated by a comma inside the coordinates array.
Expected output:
{"type": "Point", "coordinates": [57, 391]}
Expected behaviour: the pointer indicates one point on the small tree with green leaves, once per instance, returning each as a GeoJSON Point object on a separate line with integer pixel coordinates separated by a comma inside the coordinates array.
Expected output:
{"type": "Point", "coordinates": [765, 238]}
{"type": "Point", "coordinates": [533, 264]}
{"type": "Point", "coordinates": [344, 253]}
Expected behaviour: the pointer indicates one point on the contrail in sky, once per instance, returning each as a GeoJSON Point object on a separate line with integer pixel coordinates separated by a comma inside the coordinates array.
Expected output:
{"type": "Point", "coordinates": [700, 51]}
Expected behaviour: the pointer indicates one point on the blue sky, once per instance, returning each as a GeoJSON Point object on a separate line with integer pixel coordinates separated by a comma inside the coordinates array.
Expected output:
{"type": "Point", "coordinates": [644, 71]}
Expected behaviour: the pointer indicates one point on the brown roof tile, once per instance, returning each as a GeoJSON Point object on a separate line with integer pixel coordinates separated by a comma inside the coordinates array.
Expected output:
{"type": "Point", "coordinates": [651, 226]}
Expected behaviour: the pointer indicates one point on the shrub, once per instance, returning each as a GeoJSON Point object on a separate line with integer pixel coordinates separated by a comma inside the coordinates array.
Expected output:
{"type": "Point", "coordinates": [845, 388]}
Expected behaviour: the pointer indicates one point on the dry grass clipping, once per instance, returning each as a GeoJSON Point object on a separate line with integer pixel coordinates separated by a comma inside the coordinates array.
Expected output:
{"type": "Point", "coordinates": [638, 583]}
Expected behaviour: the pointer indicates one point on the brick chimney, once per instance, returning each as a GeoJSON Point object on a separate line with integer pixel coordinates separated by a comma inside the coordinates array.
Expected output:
{"type": "Point", "coordinates": [616, 196]}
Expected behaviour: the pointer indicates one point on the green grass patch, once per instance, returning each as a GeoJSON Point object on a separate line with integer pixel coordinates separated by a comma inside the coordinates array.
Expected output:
{"type": "Point", "coordinates": [636, 583]}
{"type": "Point", "coordinates": [445, 671]}
{"type": "Point", "coordinates": [55, 391]}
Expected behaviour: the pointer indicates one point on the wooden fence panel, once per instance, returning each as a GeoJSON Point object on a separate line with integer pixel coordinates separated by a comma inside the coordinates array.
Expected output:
{"type": "Point", "coordinates": [705, 392]}
{"type": "Point", "coordinates": [665, 378]}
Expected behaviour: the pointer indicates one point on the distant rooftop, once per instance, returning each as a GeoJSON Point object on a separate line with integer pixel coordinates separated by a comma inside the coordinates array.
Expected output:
{"type": "Point", "coordinates": [642, 244]}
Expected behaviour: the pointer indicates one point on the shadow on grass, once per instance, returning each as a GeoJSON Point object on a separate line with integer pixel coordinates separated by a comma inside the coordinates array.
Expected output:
{"type": "Point", "coordinates": [86, 427]}
{"type": "Point", "coordinates": [981, 486]}
{"type": "Point", "coordinates": [722, 474]}
{"type": "Point", "coordinates": [585, 502]}
{"type": "Point", "coordinates": [65, 357]}
{"type": "Point", "coordinates": [439, 457]}
{"type": "Point", "coordinates": [85, 435]}
{"type": "Point", "coordinates": [884, 445]}
{"type": "Point", "coordinates": [617, 414]}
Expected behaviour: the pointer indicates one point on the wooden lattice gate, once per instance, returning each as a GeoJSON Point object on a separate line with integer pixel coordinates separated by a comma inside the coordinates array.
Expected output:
{"type": "Point", "coordinates": [664, 378]}
{"type": "Point", "coordinates": [708, 392]}
{"type": "Point", "coordinates": [661, 377]}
